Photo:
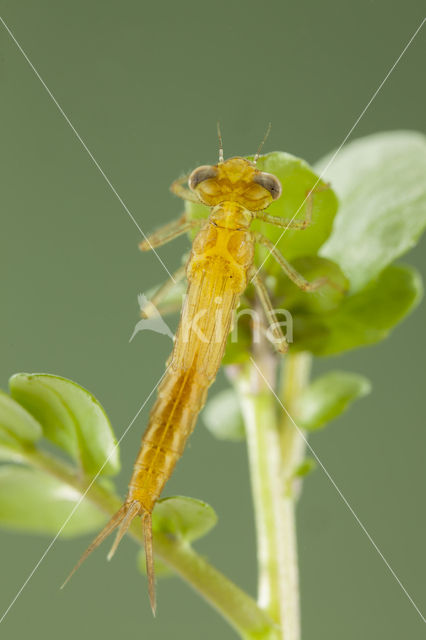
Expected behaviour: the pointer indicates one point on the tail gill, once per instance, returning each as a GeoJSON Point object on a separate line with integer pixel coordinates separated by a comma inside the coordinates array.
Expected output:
{"type": "Point", "coordinates": [123, 519]}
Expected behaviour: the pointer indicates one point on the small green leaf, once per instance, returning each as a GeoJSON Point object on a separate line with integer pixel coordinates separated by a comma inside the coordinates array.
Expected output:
{"type": "Point", "coordinates": [16, 424]}
{"type": "Point", "coordinates": [363, 318]}
{"type": "Point", "coordinates": [305, 468]}
{"type": "Point", "coordinates": [380, 181]}
{"type": "Point", "coordinates": [329, 396]}
{"type": "Point", "coordinates": [222, 416]}
{"type": "Point", "coordinates": [33, 501]}
{"type": "Point", "coordinates": [161, 569]}
{"type": "Point", "coordinates": [71, 418]}
{"type": "Point", "coordinates": [297, 178]}
{"type": "Point", "coordinates": [182, 517]}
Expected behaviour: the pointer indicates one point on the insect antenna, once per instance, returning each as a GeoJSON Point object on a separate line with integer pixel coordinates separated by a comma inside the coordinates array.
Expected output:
{"type": "Point", "coordinates": [219, 135]}
{"type": "Point", "coordinates": [116, 519]}
{"type": "Point", "coordinates": [265, 137]}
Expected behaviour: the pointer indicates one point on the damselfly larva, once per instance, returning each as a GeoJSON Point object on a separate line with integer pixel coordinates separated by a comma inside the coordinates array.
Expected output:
{"type": "Point", "coordinates": [220, 266]}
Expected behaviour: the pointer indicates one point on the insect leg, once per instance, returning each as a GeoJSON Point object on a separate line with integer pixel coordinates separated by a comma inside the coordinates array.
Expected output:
{"type": "Point", "coordinates": [288, 269]}
{"type": "Point", "coordinates": [295, 224]}
{"type": "Point", "coordinates": [278, 340]}
{"type": "Point", "coordinates": [179, 188]}
{"type": "Point", "coordinates": [169, 232]}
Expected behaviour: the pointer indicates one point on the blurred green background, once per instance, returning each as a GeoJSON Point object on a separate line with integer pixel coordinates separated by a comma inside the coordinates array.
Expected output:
{"type": "Point", "coordinates": [144, 84]}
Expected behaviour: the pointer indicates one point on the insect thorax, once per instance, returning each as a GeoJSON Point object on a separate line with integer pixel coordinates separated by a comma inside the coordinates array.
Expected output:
{"type": "Point", "coordinates": [231, 215]}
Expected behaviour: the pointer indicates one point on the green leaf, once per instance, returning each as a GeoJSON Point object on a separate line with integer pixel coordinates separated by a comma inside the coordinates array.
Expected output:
{"type": "Point", "coordinates": [363, 318]}
{"type": "Point", "coordinates": [297, 178]}
{"type": "Point", "coordinates": [222, 416]}
{"type": "Point", "coordinates": [380, 181]}
{"type": "Point", "coordinates": [185, 518]}
{"type": "Point", "coordinates": [161, 569]}
{"type": "Point", "coordinates": [305, 468]}
{"type": "Point", "coordinates": [329, 396]}
{"type": "Point", "coordinates": [71, 418]}
{"type": "Point", "coordinates": [33, 501]}
{"type": "Point", "coordinates": [16, 424]}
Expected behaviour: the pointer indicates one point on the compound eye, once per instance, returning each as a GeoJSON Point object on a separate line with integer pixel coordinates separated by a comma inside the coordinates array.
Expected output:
{"type": "Point", "coordinates": [270, 183]}
{"type": "Point", "coordinates": [200, 174]}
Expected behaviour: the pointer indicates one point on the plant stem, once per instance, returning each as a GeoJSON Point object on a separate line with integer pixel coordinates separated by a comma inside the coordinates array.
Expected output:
{"type": "Point", "coordinates": [295, 376]}
{"type": "Point", "coordinates": [241, 611]}
{"type": "Point", "coordinates": [294, 379]}
{"type": "Point", "coordinates": [258, 408]}
{"type": "Point", "coordinates": [275, 450]}
{"type": "Point", "coordinates": [235, 605]}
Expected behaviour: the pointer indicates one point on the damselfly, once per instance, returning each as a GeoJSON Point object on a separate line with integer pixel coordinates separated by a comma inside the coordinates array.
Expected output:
{"type": "Point", "coordinates": [220, 266]}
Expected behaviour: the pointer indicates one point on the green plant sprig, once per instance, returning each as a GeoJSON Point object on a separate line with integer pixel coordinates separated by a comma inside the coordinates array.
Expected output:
{"type": "Point", "coordinates": [379, 182]}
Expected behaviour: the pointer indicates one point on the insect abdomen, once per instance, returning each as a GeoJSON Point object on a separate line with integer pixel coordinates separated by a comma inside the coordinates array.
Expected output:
{"type": "Point", "coordinates": [217, 274]}
{"type": "Point", "coordinates": [180, 399]}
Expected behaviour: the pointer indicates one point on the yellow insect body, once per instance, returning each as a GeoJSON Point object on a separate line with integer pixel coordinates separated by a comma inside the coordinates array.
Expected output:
{"type": "Point", "coordinates": [217, 271]}
{"type": "Point", "coordinates": [217, 275]}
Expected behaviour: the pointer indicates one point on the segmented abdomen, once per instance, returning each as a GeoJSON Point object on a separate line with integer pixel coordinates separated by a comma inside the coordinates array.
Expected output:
{"type": "Point", "coordinates": [172, 419]}
{"type": "Point", "coordinates": [216, 282]}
